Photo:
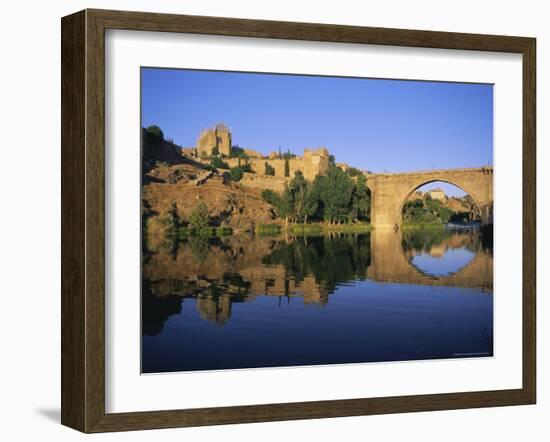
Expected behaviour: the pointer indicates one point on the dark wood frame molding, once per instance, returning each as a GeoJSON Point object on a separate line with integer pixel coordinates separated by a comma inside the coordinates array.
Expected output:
{"type": "Point", "coordinates": [83, 217]}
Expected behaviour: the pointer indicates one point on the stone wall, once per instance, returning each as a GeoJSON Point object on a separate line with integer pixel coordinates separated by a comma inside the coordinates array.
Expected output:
{"type": "Point", "coordinates": [313, 163]}
{"type": "Point", "coordinates": [257, 181]}
{"type": "Point", "coordinates": [218, 140]}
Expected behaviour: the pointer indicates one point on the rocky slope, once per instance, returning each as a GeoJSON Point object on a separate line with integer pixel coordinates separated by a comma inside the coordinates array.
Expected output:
{"type": "Point", "coordinates": [169, 178]}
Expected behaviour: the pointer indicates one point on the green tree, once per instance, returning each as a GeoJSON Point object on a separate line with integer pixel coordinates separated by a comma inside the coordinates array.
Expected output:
{"type": "Point", "coordinates": [415, 211]}
{"type": "Point", "coordinates": [438, 211]}
{"type": "Point", "coordinates": [281, 201]}
{"type": "Point", "coordinates": [200, 217]}
{"type": "Point", "coordinates": [288, 155]}
{"type": "Point", "coordinates": [269, 196]}
{"type": "Point", "coordinates": [237, 152]}
{"type": "Point", "coordinates": [352, 171]}
{"type": "Point", "coordinates": [427, 211]}
{"type": "Point", "coordinates": [287, 167]}
{"type": "Point", "coordinates": [218, 163]}
{"type": "Point", "coordinates": [155, 130]}
{"type": "Point", "coordinates": [311, 203]}
{"type": "Point", "coordinates": [335, 191]}
{"type": "Point", "coordinates": [215, 150]}
{"type": "Point", "coordinates": [236, 173]}
{"type": "Point", "coordinates": [269, 170]}
{"type": "Point", "coordinates": [360, 200]}
{"type": "Point", "coordinates": [335, 197]}
{"type": "Point", "coordinates": [286, 206]}
{"type": "Point", "coordinates": [298, 189]}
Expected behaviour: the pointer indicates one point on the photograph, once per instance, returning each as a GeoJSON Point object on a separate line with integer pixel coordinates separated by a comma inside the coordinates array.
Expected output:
{"type": "Point", "coordinates": [302, 220]}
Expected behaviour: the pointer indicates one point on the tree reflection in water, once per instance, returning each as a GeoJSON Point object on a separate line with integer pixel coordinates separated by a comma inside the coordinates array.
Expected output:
{"type": "Point", "coordinates": [250, 301]}
{"type": "Point", "coordinates": [219, 272]}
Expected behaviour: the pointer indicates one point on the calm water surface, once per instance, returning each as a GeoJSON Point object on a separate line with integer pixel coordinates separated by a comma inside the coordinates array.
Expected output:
{"type": "Point", "coordinates": [251, 301]}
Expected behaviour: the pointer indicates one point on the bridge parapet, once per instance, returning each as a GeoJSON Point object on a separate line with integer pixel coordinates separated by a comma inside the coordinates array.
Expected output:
{"type": "Point", "coordinates": [485, 170]}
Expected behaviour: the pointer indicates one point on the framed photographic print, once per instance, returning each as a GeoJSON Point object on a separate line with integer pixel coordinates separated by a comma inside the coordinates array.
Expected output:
{"type": "Point", "coordinates": [270, 220]}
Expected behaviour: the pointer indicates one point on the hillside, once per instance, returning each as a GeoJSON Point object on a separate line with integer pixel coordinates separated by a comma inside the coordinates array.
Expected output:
{"type": "Point", "coordinates": [157, 149]}
{"type": "Point", "coordinates": [420, 207]}
{"type": "Point", "coordinates": [169, 178]}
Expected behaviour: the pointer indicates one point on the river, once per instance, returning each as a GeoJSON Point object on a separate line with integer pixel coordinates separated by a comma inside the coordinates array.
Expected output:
{"type": "Point", "coordinates": [266, 301]}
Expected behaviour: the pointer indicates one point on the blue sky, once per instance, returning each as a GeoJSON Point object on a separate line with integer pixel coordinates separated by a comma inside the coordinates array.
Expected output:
{"type": "Point", "coordinates": [372, 124]}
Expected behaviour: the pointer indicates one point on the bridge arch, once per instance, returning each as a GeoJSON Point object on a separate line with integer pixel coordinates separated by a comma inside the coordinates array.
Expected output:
{"type": "Point", "coordinates": [424, 182]}
{"type": "Point", "coordinates": [389, 191]}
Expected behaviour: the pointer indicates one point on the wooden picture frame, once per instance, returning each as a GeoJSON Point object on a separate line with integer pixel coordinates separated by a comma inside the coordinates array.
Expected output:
{"type": "Point", "coordinates": [83, 220]}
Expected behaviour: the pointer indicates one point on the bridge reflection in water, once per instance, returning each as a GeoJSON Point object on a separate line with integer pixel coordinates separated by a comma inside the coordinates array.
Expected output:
{"type": "Point", "coordinates": [342, 274]}
{"type": "Point", "coordinates": [392, 255]}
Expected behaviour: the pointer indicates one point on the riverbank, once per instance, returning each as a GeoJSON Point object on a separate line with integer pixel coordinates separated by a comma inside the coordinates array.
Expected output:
{"type": "Point", "coordinates": [184, 232]}
{"type": "Point", "coordinates": [406, 226]}
{"type": "Point", "coordinates": [312, 228]}
{"type": "Point", "coordinates": [308, 229]}
{"type": "Point", "coordinates": [273, 229]}
{"type": "Point", "coordinates": [471, 225]}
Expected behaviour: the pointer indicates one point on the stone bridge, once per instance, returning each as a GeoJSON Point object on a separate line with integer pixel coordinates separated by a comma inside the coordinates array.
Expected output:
{"type": "Point", "coordinates": [391, 263]}
{"type": "Point", "coordinates": [389, 191]}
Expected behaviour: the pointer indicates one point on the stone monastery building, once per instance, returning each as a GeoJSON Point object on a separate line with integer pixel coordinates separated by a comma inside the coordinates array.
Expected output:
{"type": "Point", "coordinates": [217, 140]}
{"type": "Point", "coordinates": [213, 141]}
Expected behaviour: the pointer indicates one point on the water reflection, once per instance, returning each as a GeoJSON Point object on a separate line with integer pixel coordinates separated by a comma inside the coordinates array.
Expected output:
{"type": "Point", "coordinates": [440, 262]}
{"type": "Point", "coordinates": [459, 258]}
{"type": "Point", "coordinates": [256, 290]}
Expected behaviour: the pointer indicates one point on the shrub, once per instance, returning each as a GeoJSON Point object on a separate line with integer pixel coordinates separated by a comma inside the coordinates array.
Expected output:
{"type": "Point", "coordinates": [218, 163]}
{"type": "Point", "coordinates": [269, 170]}
{"type": "Point", "coordinates": [199, 218]}
{"type": "Point", "coordinates": [353, 171]}
{"type": "Point", "coordinates": [207, 232]}
{"type": "Point", "coordinates": [237, 152]}
{"type": "Point", "coordinates": [183, 232]}
{"type": "Point", "coordinates": [224, 231]}
{"type": "Point", "coordinates": [270, 196]}
{"type": "Point", "coordinates": [247, 168]}
{"type": "Point", "coordinates": [236, 173]}
{"type": "Point", "coordinates": [305, 228]}
{"type": "Point", "coordinates": [287, 155]}
{"type": "Point", "coordinates": [268, 229]}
